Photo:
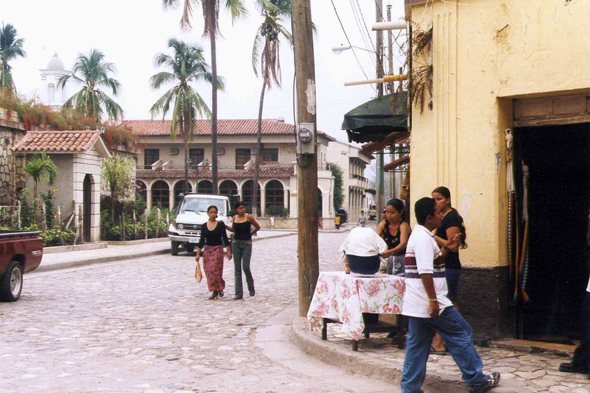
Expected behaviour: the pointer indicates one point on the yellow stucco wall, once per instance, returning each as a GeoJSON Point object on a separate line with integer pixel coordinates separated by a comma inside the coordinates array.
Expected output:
{"type": "Point", "coordinates": [486, 53]}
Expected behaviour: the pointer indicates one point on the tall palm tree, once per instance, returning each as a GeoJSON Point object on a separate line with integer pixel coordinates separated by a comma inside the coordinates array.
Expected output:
{"type": "Point", "coordinates": [211, 17]}
{"type": "Point", "coordinates": [10, 48]}
{"type": "Point", "coordinates": [265, 54]}
{"type": "Point", "coordinates": [92, 72]}
{"type": "Point", "coordinates": [41, 168]}
{"type": "Point", "coordinates": [187, 65]}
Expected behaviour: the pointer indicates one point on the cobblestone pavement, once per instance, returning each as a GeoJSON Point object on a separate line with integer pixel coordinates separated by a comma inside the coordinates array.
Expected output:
{"type": "Point", "coordinates": [147, 326]}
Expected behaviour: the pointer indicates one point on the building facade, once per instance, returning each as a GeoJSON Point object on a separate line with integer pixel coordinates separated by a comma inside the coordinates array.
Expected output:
{"type": "Point", "coordinates": [160, 171]}
{"type": "Point", "coordinates": [50, 94]}
{"type": "Point", "coordinates": [518, 68]}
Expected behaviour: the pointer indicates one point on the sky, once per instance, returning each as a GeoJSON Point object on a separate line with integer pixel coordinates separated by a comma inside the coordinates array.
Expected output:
{"type": "Point", "coordinates": [131, 32]}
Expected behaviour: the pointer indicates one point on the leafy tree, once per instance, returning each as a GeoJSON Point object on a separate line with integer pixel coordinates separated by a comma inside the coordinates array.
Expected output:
{"type": "Point", "coordinates": [186, 65]}
{"type": "Point", "coordinates": [11, 48]}
{"type": "Point", "coordinates": [116, 177]}
{"type": "Point", "coordinates": [92, 72]}
{"type": "Point", "coordinates": [210, 10]}
{"type": "Point", "coordinates": [338, 185]}
{"type": "Point", "coordinates": [41, 168]}
{"type": "Point", "coordinates": [265, 54]}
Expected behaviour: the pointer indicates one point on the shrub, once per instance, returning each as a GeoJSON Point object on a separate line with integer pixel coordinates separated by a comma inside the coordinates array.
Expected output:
{"type": "Point", "coordinates": [277, 211]}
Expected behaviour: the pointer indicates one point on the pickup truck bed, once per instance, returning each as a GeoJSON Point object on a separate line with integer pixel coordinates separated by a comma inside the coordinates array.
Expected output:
{"type": "Point", "coordinates": [20, 252]}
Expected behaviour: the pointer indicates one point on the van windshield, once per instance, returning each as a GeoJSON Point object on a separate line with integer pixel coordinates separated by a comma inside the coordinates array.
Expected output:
{"type": "Point", "coordinates": [200, 205]}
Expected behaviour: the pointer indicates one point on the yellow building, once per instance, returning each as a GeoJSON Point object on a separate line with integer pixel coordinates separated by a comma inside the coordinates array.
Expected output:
{"type": "Point", "coordinates": [523, 66]}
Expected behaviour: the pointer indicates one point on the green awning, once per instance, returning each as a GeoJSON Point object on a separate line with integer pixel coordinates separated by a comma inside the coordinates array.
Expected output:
{"type": "Point", "coordinates": [375, 119]}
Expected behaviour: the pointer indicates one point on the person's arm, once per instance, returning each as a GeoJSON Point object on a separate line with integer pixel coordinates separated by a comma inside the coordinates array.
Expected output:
{"type": "Point", "coordinates": [403, 239]}
{"type": "Point", "coordinates": [380, 228]}
{"type": "Point", "coordinates": [224, 239]}
{"type": "Point", "coordinates": [201, 243]}
{"type": "Point", "coordinates": [428, 283]}
{"type": "Point", "coordinates": [254, 224]}
{"type": "Point", "coordinates": [231, 228]}
{"type": "Point", "coordinates": [425, 266]}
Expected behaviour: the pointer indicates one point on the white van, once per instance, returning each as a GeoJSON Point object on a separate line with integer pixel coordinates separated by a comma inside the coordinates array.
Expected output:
{"type": "Point", "coordinates": [191, 214]}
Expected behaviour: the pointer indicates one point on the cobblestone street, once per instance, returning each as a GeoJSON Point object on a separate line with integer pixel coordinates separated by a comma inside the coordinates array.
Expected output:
{"type": "Point", "coordinates": [145, 325]}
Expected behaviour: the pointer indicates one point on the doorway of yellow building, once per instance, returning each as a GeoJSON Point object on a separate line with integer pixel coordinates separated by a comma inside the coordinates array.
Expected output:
{"type": "Point", "coordinates": [557, 267]}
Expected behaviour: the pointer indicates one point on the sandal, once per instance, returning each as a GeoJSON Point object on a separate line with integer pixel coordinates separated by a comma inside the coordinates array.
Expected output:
{"type": "Point", "coordinates": [220, 293]}
{"type": "Point", "coordinates": [435, 352]}
{"type": "Point", "coordinates": [214, 295]}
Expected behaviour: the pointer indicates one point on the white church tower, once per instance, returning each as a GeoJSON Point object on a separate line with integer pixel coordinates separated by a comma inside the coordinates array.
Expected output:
{"type": "Point", "coordinates": [51, 95]}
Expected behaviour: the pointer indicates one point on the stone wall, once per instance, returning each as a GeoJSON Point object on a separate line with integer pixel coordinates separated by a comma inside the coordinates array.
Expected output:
{"type": "Point", "coordinates": [12, 175]}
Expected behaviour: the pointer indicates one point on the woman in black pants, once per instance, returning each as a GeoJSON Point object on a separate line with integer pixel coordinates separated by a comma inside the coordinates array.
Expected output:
{"type": "Point", "coordinates": [242, 224]}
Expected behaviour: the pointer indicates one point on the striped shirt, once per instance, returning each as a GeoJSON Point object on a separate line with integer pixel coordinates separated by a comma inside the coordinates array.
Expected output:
{"type": "Point", "coordinates": [423, 257]}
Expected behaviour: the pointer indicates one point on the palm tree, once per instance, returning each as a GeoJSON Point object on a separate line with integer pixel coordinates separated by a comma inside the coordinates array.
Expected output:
{"type": "Point", "coordinates": [116, 176]}
{"type": "Point", "coordinates": [186, 65]}
{"type": "Point", "coordinates": [265, 53]}
{"type": "Point", "coordinates": [10, 48]}
{"type": "Point", "coordinates": [92, 72]}
{"type": "Point", "coordinates": [211, 17]}
{"type": "Point", "coordinates": [41, 168]}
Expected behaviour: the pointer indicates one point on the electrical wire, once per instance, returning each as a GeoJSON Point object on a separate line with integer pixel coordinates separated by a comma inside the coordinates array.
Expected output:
{"type": "Point", "coordinates": [366, 40]}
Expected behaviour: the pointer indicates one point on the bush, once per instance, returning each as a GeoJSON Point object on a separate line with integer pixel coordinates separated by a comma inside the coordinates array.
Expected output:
{"type": "Point", "coordinates": [277, 211]}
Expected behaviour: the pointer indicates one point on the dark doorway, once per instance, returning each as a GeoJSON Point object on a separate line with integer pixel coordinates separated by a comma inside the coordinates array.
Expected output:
{"type": "Point", "coordinates": [559, 201]}
{"type": "Point", "coordinates": [87, 208]}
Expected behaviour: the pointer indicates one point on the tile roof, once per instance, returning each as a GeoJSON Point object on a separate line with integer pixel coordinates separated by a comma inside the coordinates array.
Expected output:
{"type": "Point", "coordinates": [224, 127]}
{"type": "Point", "coordinates": [267, 171]}
{"type": "Point", "coordinates": [57, 141]}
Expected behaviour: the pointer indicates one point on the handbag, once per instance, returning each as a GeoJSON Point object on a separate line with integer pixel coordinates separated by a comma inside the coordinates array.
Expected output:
{"type": "Point", "coordinates": [198, 273]}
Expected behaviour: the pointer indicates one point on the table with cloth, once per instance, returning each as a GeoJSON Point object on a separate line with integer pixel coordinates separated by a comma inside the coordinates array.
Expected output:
{"type": "Point", "coordinates": [345, 297]}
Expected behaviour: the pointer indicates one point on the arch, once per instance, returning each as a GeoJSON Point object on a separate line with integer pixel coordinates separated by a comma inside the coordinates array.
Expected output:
{"type": "Point", "coordinates": [161, 194]}
{"type": "Point", "coordinates": [205, 187]}
{"type": "Point", "coordinates": [228, 188]}
{"type": "Point", "coordinates": [87, 207]}
{"type": "Point", "coordinates": [275, 194]}
{"type": "Point", "coordinates": [271, 180]}
{"type": "Point", "coordinates": [141, 189]}
{"type": "Point", "coordinates": [179, 189]}
{"type": "Point", "coordinates": [247, 193]}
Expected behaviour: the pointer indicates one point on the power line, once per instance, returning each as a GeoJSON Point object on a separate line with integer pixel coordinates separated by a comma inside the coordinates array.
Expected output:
{"type": "Point", "coordinates": [366, 38]}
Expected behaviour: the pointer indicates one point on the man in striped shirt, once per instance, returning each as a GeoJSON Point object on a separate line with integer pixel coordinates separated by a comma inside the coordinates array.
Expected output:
{"type": "Point", "coordinates": [429, 310]}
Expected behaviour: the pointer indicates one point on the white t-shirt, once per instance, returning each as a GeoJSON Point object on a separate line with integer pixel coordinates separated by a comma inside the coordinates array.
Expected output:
{"type": "Point", "coordinates": [423, 257]}
{"type": "Point", "coordinates": [363, 242]}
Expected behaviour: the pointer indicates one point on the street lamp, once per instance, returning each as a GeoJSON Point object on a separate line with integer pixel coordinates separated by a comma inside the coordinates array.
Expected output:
{"type": "Point", "coordinates": [339, 49]}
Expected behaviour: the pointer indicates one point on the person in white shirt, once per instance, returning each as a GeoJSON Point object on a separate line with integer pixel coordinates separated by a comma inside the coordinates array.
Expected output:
{"type": "Point", "coordinates": [429, 310]}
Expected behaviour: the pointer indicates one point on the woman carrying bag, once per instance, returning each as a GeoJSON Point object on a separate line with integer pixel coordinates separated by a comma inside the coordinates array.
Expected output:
{"type": "Point", "coordinates": [213, 237]}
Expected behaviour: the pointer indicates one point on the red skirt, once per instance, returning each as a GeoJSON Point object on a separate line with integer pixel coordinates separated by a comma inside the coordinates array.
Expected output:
{"type": "Point", "coordinates": [213, 265]}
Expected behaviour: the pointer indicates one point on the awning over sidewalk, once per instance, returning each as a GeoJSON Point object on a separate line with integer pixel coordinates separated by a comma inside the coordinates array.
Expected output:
{"type": "Point", "coordinates": [374, 120]}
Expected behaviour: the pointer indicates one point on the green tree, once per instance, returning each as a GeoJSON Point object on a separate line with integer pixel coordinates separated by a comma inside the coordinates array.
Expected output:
{"type": "Point", "coordinates": [41, 168]}
{"type": "Point", "coordinates": [265, 54]}
{"type": "Point", "coordinates": [338, 185]}
{"type": "Point", "coordinates": [116, 177]}
{"type": "Point", "coordinates": [11, 48]}
{"type": "Point", "coordinates": [92, 72]}
{"type": "Point", "coordinates": [186, 65]}
{"type": "Point", "coordinates": [211, 18]}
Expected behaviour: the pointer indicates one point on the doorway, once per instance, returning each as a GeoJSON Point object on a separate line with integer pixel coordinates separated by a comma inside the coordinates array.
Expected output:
{"type": "Point", "coordinates": [558, 158]}
{"type": "Point", "coordinates": [87, 208]}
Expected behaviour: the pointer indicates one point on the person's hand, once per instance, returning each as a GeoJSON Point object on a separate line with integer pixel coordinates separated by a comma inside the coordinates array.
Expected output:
{"type": "Point", "coordinates": [229, 255]}
{"type": "Point", "coordinates": [434, 309]}
{"type": "Point", "coordinates": [455, 239]}
{"type": "Point", "coordinates": [387, 253]}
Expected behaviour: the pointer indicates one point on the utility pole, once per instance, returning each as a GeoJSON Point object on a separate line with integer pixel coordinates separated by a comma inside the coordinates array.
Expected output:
{"type": "Point", "coordinates": [379, 15]}
{"type": "Point", "coordinates": [307, 171]}
{"type": "Point", "coordinates": [392, 185]}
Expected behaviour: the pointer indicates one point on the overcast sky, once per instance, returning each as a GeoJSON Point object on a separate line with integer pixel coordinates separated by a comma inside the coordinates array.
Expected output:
{"type": "Point", "coordinates": [131, 32]}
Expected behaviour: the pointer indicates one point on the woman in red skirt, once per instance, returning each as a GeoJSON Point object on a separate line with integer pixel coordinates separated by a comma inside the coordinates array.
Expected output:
{"type": "Point", "coordinates": [213, 237]}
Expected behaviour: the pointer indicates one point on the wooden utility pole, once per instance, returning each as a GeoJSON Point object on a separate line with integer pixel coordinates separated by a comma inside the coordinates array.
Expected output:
{"type": "Point", "coordinates": [379, 15]}
{"type": "Point", "coordinates": [307, 172]}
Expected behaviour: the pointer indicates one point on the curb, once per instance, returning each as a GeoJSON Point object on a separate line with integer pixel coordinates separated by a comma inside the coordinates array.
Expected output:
{"type": "Point", "coordinates": [139, 241]}
{"type": "Point", "coordinates": [78, 247]}
{"type": "Point", "coordinates": [356, 363]}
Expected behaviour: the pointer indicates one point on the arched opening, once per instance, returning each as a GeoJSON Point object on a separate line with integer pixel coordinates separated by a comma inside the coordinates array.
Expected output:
{"type": "Point", "coordinates": [205, 187]}
{"type": "Point", "coordinates": [228, 188]}
{"type": "Point", "coordinates": [320, 209]}
{"type": "Point", "coordinates": [247, 193]}
{"type": "Point", "coordinates": [87, 208]}
{"type": "Point", "coordinates": [179, 189]}
{"type": "Point", "coordinates": [161, 194]}
{"type": "Point", "coordinates": [275, 195]}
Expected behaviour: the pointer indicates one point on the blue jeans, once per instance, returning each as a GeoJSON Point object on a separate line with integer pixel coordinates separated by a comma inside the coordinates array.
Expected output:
{"type": "Point", "coordinates": [458, 337]}
{"type": "Point", "coordinates": [242, 252]}
{"type": "Point", "coordinates": [582, 353]}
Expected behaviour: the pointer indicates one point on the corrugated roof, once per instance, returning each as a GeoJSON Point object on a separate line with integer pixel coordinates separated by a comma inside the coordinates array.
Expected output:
{"type": "Point", "coordinates": [57, 141]}
{"type": "Point", "coordinates": [267, 171]}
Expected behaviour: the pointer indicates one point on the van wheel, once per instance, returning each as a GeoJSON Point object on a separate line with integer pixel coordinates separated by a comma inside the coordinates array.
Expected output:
{"type": "Point", "coordinates": [174, 247]}
{"type": "Point", "coordinates": [11, 284]}
{"type": "Point", "coordinates": [190, 248]}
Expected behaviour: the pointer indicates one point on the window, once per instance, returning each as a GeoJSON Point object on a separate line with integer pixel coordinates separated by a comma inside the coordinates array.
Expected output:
{"type": "Point", "coordinates": [151, 156]}
{"type": "Point", "coordinates": [228, 188]}
{"type": "Point", "coordinates": [205, 187]}
{"type": "Point", "coordinates": [242, 157]}
{"type": "Point", "coordinates": [161, 194]}
{"type": "Point", "coordinates": [179, 189]}
{"type": "Point", "coordinates": [247, 194]}
{"type": "Point", "coordinates": [270, 155]}
{"type": "Point", "coordinates": [196, 156]}
{"type": "Point", "coordinates": [274, 194]}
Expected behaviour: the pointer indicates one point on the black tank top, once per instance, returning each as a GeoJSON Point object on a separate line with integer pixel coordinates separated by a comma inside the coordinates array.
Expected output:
{"type": "Point", "coordinates": [242, 230]}
{"type": "Point", "coordinates": [391, 240]}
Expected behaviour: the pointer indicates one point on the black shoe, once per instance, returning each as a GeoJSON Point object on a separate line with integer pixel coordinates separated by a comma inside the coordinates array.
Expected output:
{"type": "Point", "coordinates": [572, 368]}
{"type": "Point", "coordinates": [492, 382]}
{"type": "Point", "coordinates": [252, 293]}
{"type": "Point", "coordinates": [237, 297]}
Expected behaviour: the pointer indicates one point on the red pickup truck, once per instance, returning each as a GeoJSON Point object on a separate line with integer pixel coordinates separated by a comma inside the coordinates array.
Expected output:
{"type": "Point", "coordinates": [20, 252]}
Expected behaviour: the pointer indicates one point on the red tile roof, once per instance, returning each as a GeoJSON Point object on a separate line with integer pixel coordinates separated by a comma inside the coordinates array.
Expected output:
{"type": "Point", "coordinates": [267, 171]}
{"type": "Point", "coordinates": [224, 127]}
{"type": "Point", "coordinates": [57, 141]}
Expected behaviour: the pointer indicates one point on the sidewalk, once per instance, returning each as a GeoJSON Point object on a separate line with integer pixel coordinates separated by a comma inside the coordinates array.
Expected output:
{"type": "Point", "coordinates": [130, 250]}
{"type": "Point", "coordinates": [377, 357]}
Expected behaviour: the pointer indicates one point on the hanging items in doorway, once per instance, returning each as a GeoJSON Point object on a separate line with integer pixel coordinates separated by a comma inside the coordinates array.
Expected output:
{"type": "Point", "coordinates": [510, 197]}
{"type": "Point", "coordinates": [523, 261]}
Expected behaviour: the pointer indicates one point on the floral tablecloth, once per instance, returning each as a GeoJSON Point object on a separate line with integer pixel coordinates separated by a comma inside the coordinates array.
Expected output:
{"type": "Point", "coordinates": [345, 297]}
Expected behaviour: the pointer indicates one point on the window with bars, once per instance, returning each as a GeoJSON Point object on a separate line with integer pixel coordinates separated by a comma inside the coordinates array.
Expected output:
{"type": "Point", "coordinates": [150, 156]}
{"type": "Point", "coordinates": [274, 194]}
{"type": "Point", "coordinates": [161, 194]}
{"type": "Point", "coordinates": [196, 156]}
{"type": "Point", "coordinates": [242, 157]}
{"type": "Point", "coordinates": [270, 155]}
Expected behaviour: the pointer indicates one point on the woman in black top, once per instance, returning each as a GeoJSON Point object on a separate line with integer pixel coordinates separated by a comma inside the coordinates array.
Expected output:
{"type": "Point", "coordinates": [451, 225]}
{"type": "Point", "coordinates": [242, 224]}
{"type": "Point", "coordinates": [396, 232]}
{"type": "Point", "coordinates": [213, 237]}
